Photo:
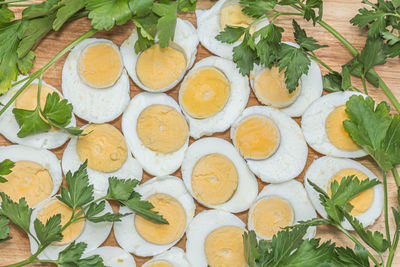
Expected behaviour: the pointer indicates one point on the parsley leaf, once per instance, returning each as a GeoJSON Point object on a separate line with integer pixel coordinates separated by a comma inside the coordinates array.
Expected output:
{"type": "Point", "coordinates": [143, 208]}
{"type": "Point", "coordinates": [71, 256]}
{"type": "Point", "coordinates": [357, 257]}
{"type": "Point", "coordinates": [5, 14]}
{"type": "Point", "coordinates": [67, 9]}
{"type": "Point", "coordinates": [120, 189]}
{"type": "Point", "coordinates": [187, 5]}
{"type": "Point", "coordinates": [80, 192]}
{"type": "Point", "coordinates": [374, 129]}
{"type": "Point", "coordinates": [4, 229]}
{"type": "Point", "coordinates": [305, 42]}
{"type": "Point", "coordinates": [18, 213]}
{"type": "Point", "coordinates": [332, 82]}
{"type": "Point", "coordinates": [269, 45]}
{"type": "Point", "coordinates": [58, 112]}
{"type": "Point", "coordinates": [106, 13]}
{"type": "Point", "coordinates": [244, 55]}
{"type": "Point", "coordinates": [30, 122]}
{"type": "Point", "coordinates": [141, 7]}
{"type": "Point", "coordinates": [372, 54]}
{"type": "Point", "coordinates": [230, 34]}
{"type": "Point", "coordinates": [96, 208]}
{"type": "Point", "coordinates": [5, 168]}
{"type": "Point", "coordinates": [257, 8]}
{"type": "Point", "coordinates": [167, 21]}
{"type": "Point", "coordinates": [50, 232]}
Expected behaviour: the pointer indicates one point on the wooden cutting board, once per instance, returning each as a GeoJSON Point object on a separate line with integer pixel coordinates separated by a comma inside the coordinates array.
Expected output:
{"type": "Point", "coordinates": [336, 12]}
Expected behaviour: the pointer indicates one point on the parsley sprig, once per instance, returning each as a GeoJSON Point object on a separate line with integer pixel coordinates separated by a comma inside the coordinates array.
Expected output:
{"type": "Point", "coordinates": [5, 168]}
{"type": "Point", "coordinates": [80, 198]}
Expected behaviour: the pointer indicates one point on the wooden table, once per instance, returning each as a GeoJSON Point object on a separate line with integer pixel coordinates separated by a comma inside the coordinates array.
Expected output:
{"type": "Point", "coordinates": [336, 12]}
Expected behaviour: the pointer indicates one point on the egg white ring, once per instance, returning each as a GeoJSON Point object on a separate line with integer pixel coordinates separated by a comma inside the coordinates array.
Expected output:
{"type": "Point", "coordinates": [96, 105]}
{"type": "Point", "coordinates": [175, 256]}
{"type": "Point", "coordinates": [185, 36]}
{"type": "Point", "coordinates": [44, 157]}
{"type": "Point", "coordinates": [71, 162]}
{"type": "Point", "coordinates": [93, 234]}
{"type": "Point", "coordinates": [113, 256]}
{"type": "Point", "coordinates": [125, 232]}
{"type": "Point", "coordinates": [155, 163]}
{"type": "Point", "coordinates": [201, 226]}
{"type": "Point", "coordinates": [247, 187]}
{"type": "Point", "coordinates": [208, 27]}
{"type": "Point", "coordinates": [293, 192]}
{"type": "Point", "coordinates": [313, 124]}
{"type": "Point", "coordinates": [321, 172]}
{"type": "Point", "coordinates": [237, 101]}
{"type": "Point", "coordinates": [289, 159]}
{"type": "Point", "coordinates": [9, 126]}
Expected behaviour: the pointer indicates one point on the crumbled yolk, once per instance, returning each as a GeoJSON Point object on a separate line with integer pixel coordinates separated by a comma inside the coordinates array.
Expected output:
{"type": "Point", "coordinates": [224, 247]}
{"type": "Point", "coordinates": [100, 65]}
{"type": "Point", "coordinates": [205, 92]}
{"type": "Point", "coordinates": [158, 67]}
{"type": "Point", "coordinates": [57, 207]}
{"type": "Point", "coordinates": [363, 201]}
{"type": "Point", "coordinates": [103, 146]}
{"type": "Point", "coordinates": [162, 128]}
{"type": "Point", "coordinates": [30, 180]}
{"type": "Point", "coordinates": [337, 135]}
{"type": "Point", "coordinates": [214, 179]}
{"type": "Point", "coordinates": [160, 263]}
{"type": "Point", "coordinates": [162, 234]}
{"type": "Point", "coordinates": [270, 88]}
{"type": "Point", "coordinates": [232, 15]}
{"type": "Point", "coordinates": [256, 137]}
{"type": "Point", "coordinates": [270, 215]}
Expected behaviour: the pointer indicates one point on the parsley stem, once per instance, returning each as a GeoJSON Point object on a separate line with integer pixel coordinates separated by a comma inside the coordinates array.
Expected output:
{"type": "Point", "coordinates": [393, 248]}
{"type": "Point", "coordinates": [12, 1]}
{"type": "Point", "coordinates": [396, 176]}
{"type": "Point", "coordinates": [385, 191]}
{"type": "Point", "coordinates": [364, 83]}
{"type": "Point", "coordinates": [317, 59]}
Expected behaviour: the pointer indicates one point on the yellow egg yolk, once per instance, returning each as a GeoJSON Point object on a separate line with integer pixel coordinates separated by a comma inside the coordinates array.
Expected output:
{"type": "Point", "coordinates": [158, 67]}
{"type": "Point", "coordinates": [162, 234]}
{"type": "Point", "coordinates": [103, 146]}
{"type": "Point", "coordinates": [214, 179]}
{"type": "Point", "coordinates": [100, 65]}
{"type": "Point", "coordinates": [57, 207]}
{"type": "Point", "coordinates": [30, 180]}
{"type": "Point", "coordinates": [232, 15]}
{"type": "Point", "coordinates": [337, 135]}
{"type": "Point", "coordinates": [363, 201]}
{"type": "Point", "coordinates": [224, 247]}
{"type": "Point", "coordinates": [257, 137]}
{"type": "Point", "coordinates": [162, 128]}
{"type": "Point", "coordinates": [270, 88]}
{"type": "Point", "coordinates": [270, 215]}
{"type": "Point", "coordinates": [160, 263]}
{"type": "Point", "coordinates": [28, 98]}
{"type": "Point", "coordinates": [205, 92]}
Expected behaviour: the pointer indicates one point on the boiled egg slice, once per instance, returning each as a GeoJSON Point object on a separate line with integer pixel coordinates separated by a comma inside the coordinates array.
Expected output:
{"type": "Point", "coordinates": [113, 256]}
{"type": "Point", "coordinates": [174, 257]}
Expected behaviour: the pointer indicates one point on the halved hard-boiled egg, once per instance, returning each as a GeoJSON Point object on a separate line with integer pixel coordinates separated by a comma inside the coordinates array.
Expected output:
{"type": "Point", "coordinates": [322, 125]}
{"type": "Point", "coordinates": [278, 206]}
{"type": "Point", "coordinates": [36, 175]}
{"type": "Point", "coordinates": [158, 69]}
{"type": "Point", "coordinates": [269, 86]}
{"type": "Point", "coordinates": [170, 199]}
{"type": "Point", "coordinates": [93, 234]}
{"type": "Point", "coordinates": [174, 257]}
{"type": "Point", "coordinates": [28, 100]}
{"type": "Point", "coordinates": [95, 82]}
{"type": "Point", "coordinates": [271, 142]}
{"type": "Point", "coordinates": [156, 132]}
{"type": "Point", "coordinates": [217, 176]}
{"type": "Point", "coordinates": [212, 96]}
{"type": "Point", "coordinates": [113, 256]}
{"type": "Point", "coordinates": [215, 238]}
{"type": "Point", "coordinates": [367, 206]}
{"type": "Point", "coordinates": [214, 20]}
{"type": "Point", "coordinates": [105, 149]}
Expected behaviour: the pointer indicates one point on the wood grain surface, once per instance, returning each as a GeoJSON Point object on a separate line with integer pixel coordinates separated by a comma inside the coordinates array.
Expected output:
{"type": "Point", "coordinates": [336, 12]}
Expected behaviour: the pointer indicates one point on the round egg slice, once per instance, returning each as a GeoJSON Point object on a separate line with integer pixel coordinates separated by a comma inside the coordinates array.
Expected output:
{"type": "Point", "coordinates": [270, 89]}
{"type": "Point", "coordinates": [212, 96]}
{"type": "Point", "coordinates": [36, 175]}
{"type": "Point", "coordinates": [322, 126]}
{"type": "Point", "coordinates": [159, 69]}
{"type": "Point", "coordinates": [174, 257]}
{"type": "Point", "coordinates": [367, 206]}
{"type": "Point", "coordinates": [217, 176]}
{"type": "Point", "coordinates": [107, 153]}
{"type": "Point", "coordinates": [156, 132]}
{"type": "Point", "coordinates": [170, 199]}
{"type": "Point", "coordinates": [271, 142]}
{"type": "Point", "coordinates": [9, 127]}
{"type": "Point", "coordinates": [93, 234]}
{"type": "Point", "coordinates": [278, 206]}
{"type": "Point", "coordinates": [214, 20]}
{"type": "Point", "coordinates": [113, 256]}
{"type": "Point", "coordinates": [95, 82]}
{"type": "Point", "coordinates": [215, 238]}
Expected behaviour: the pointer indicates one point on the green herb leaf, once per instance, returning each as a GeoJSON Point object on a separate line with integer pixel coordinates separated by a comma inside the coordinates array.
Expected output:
{"type": "Point", "coordinates": [40, 10]}
{"type": "Point", "coordinates": [356, 257]}
{"type": "Point", "coordinates": [120, 189]}
{"type": "Point", "coordinates": [80, 192]}
{"type": "Point", "coordinates": [305, 42]}
{"type": "Point", "coordinates": [4, 229]}
{"type": "Point", "coordinates": [58, 112]}
{"type": "Point", "coordinates": [250, 246]}
{"type": "Point", "coordinates": [5, 168]}
{"type": "Point", "coordinates": [311, 9]}
{"type": "Point", "coordinates": [50, 232]}
{"type": "Point", "coordinates": [332, 82]}
{"type": "Point", "coordinates": [18, 213]}
{"type": "Point", "coordinates": [167, 22]}
{"type": "Point", "coordinates": [144, 208]}
{"type": "Point", "coordinates": [372, 54]}
{"type": "Point", "coordinates": [106, 13]}
{"type": "Point", "coordinates": [269, 46]}
{"type": "Point", "coordinates": [71, 257]}
{"type": "Point", "coordinates": [230, 34]}
{"type": "Point", "coordinates": [141, 7]}
{"type": "Point", "coordinates": [244, 55]}
{"type": "Point", "coordinates": [257, 8]}
{"type": "Point", "coordinates": [30, 122]}
{"type": "Point", "coordinates": [187, 5]}
{"type": "Point", "coordinates": [67, 9]}
{"type": "Point", "coordinates": [96, 208]}
{"type": "Point", "coordinates": [25, 64]}
{"type": "Point", "coordinates": [6, 15]}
